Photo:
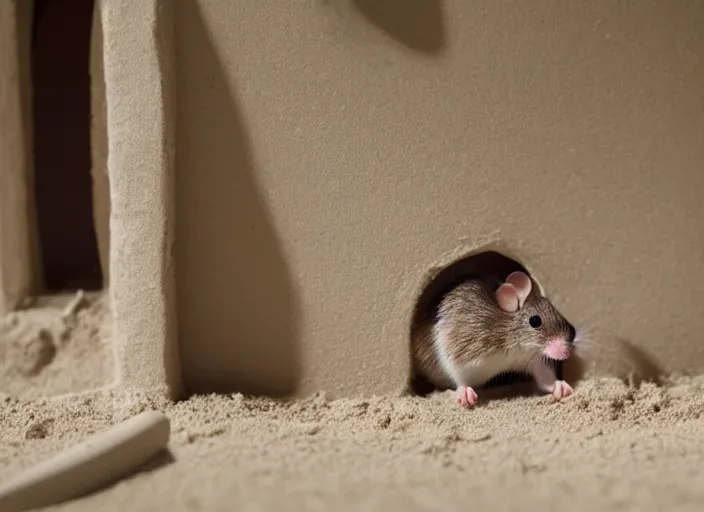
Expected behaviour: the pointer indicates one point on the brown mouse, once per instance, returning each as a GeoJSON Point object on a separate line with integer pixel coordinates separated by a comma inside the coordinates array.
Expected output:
{"type": "Point", "coordinates": [482, 328]}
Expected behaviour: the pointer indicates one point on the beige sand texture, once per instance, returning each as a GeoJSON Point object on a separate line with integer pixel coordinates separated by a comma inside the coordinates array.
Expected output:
{"type": "Point", "coordinates": [59, 345]}
{"type": "Point", "coordinates": [606, 448]}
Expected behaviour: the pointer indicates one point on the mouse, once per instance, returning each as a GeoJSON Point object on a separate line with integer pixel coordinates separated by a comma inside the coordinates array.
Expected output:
{"type": "Point", "coordinates": [483, 327]}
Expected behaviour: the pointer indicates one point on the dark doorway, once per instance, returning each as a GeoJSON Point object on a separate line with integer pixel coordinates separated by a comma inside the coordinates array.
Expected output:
{"type": "Point", "coordinates": [62, 152]}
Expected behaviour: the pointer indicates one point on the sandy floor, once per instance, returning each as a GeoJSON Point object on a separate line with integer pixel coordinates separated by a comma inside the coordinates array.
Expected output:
{"type": "Point", "coordinates": [60, 345]}
{"type": "Point", "coordinates": [606, 448]}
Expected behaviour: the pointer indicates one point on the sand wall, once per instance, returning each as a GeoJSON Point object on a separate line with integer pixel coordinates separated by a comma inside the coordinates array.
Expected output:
{"type": "Point", "coordinates": [16, 275]}
{"type": "Point", "coordinates": [330, 153]}
{"type": "Point", "coordinates": [99, 146]}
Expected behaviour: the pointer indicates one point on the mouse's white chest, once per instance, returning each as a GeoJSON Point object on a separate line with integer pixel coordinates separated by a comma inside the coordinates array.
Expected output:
{"type": "Point", "coordinates": [480, 370]}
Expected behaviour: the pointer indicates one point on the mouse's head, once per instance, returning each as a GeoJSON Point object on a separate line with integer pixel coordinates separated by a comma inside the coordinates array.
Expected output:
{"type": "Point", "coordinates": [535, 324]}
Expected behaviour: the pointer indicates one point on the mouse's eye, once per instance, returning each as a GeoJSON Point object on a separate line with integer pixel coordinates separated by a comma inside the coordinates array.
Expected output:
{"type": "Point", "coordinates": [535, 321]}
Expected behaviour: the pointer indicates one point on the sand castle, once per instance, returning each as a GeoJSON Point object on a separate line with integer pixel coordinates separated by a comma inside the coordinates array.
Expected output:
{"type": "Point", "coordinates": [275, 183]}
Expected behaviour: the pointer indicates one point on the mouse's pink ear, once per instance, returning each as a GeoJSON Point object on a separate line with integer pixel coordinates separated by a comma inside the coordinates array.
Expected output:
{"type": "Point", "coordinates": [507, 297]}
{"type": "Point", "coordinates": [522, 284]}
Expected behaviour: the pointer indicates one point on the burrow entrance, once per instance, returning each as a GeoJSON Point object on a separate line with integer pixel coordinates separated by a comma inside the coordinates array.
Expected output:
{"type": "Point", "coordinates": [486, 262]}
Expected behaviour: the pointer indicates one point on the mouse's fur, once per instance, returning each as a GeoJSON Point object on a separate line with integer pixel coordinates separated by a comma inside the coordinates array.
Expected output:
{"type": "Point", "coordinates": [481, 329]}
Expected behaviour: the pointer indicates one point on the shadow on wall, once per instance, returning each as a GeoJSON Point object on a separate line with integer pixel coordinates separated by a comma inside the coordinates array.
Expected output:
{"type": "Point", "coordinates": [610, 355]}
{"type": "Point", "coordinates": [236, 306]}
{"type": "Point", "coordinates": [417, 24]}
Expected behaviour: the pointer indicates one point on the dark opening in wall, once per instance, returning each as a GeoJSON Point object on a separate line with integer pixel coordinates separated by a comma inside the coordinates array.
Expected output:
{"type": "Point", "coordinates": [62, 147]}
{"type": "Point", "coordinates": [488, 262]}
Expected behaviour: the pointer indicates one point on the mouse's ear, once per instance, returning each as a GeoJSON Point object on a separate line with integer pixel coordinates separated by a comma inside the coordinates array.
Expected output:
{"type": "Point", "coordinates": [523, 285]}
{"type": "Point", "coordinates": [508, 298]}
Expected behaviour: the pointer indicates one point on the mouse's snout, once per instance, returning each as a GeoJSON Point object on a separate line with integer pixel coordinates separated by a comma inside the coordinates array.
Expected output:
{"type": "Point", "coordinates": [558, 348]}
{"type": "Point", "coordinates": [572, 334]}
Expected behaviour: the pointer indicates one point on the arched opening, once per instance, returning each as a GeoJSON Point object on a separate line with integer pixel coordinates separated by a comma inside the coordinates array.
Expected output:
{"type": "Point", "coordinates": [443, 280]}
{"type": "Point", "coordinates": [63, 187]}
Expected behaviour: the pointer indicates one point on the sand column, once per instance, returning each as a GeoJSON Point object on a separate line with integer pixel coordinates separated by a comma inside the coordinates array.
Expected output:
{"type": "Point", "coordinates": [15, 250]}
{"type": "Point", "coordinates": [139, 69]}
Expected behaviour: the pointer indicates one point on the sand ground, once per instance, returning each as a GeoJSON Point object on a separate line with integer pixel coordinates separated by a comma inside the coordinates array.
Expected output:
{"type": "Point", "coordinates": [59, 345]}
{"type": "Point", "coordinates": [608, 447]}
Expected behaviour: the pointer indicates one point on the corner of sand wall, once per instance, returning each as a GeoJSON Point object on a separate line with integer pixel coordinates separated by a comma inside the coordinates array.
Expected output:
{"type": "Point", "coordinates": [15, 167]}
{"type": "Point", "coordinates": [138, 66]}
{"type": "Point", "coordinates": [99, 147]}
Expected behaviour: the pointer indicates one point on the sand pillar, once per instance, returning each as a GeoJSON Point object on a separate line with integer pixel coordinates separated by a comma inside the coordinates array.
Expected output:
{"type": "Point", "coordinates": [138, 63]}
{"type": "Point", "coordinates": [15, 249]}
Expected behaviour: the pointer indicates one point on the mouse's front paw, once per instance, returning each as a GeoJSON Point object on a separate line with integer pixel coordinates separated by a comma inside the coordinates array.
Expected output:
{"type": "Point", "coordinates": [466, 396]}
{"type": "Point", "coordinates": [561, 389]}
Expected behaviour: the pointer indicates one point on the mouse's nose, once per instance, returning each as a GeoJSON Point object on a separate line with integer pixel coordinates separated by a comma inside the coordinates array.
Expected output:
{"type": "Point", "coordinates": [572, 334]}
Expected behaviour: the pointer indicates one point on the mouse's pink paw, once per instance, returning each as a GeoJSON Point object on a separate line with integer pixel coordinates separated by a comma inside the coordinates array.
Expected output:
{"type": "Point", "coordinates": [466, 396]}
{"type": "Point", "coordinates": [561, 389]}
